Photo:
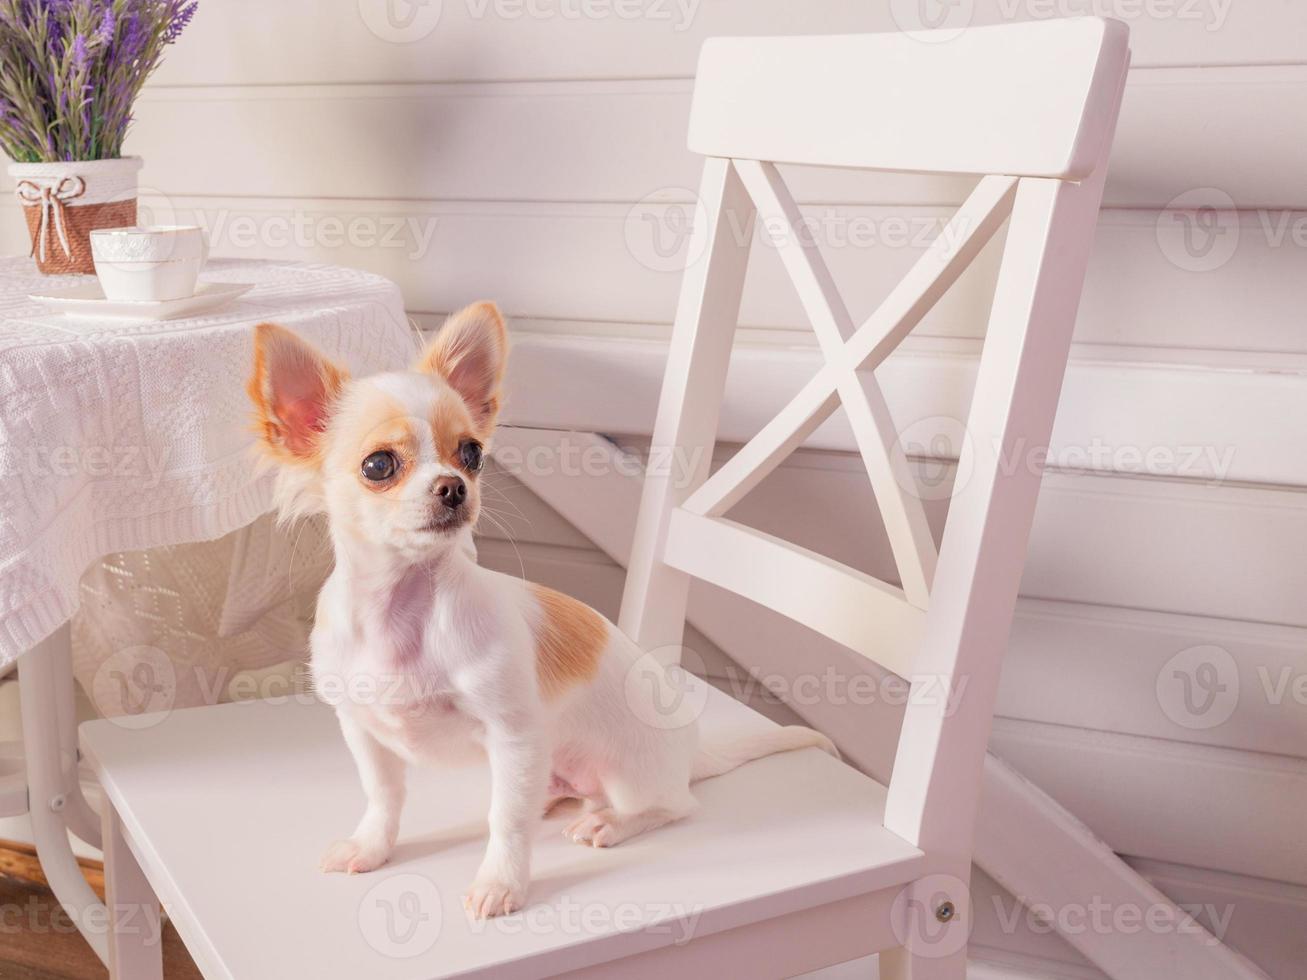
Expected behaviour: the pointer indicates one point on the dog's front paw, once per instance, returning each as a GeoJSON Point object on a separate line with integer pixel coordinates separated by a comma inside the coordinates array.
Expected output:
{"type": "Point", "coordinates": [489, 898]}
{"type": "Point", "coordinates": [355, 856]}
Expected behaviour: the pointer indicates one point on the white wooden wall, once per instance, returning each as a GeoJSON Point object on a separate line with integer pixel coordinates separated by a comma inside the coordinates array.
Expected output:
{"type": "Point", "coordinates": [533, 151]}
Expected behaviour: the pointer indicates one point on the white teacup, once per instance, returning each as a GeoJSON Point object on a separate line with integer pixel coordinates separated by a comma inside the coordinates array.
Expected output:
{"type": "Point", "coordinates": [149, 264]}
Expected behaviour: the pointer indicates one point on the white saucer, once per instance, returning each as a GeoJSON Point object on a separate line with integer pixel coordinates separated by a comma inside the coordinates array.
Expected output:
{"type": "Point", "coordinates": [88, 300]}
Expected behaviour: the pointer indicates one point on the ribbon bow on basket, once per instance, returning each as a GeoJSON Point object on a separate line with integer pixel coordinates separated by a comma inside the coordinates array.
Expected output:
{"type": "Point", "coordinates": [52, 201]}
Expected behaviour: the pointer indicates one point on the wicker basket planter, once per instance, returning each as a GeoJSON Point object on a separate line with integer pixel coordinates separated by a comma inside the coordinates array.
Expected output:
{"type": "Point", "coordinates": [64, 202]}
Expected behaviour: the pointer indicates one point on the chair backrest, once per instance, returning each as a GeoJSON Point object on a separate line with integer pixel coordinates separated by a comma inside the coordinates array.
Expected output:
{"type": "Point", "coordinates": [1032, 109]}
{"type": "Point", "coordinates": [1033, 100]}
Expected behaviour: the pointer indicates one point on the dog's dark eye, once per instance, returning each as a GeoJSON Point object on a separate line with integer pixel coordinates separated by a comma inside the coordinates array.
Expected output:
{"type": "Point", "coordinates": [469, 453]}
{"type": "Point", "coordinates": [380, 466]}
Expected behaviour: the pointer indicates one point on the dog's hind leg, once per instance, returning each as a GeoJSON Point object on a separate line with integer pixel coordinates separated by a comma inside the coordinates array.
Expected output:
{"type": "Point", "coordinates": [631, 809]}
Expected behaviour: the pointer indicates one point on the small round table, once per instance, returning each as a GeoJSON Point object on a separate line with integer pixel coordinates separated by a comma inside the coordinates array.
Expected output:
{"type": "Point", "coordinates": [125, 435]}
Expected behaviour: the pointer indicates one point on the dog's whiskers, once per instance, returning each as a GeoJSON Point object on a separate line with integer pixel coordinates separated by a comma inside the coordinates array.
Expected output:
{"type": "Point", "coordinates": [508, 536]}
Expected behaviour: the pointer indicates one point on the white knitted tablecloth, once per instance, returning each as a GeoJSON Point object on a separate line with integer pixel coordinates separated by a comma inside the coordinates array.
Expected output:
{"type": "Point", "coordinates": [120, 436]}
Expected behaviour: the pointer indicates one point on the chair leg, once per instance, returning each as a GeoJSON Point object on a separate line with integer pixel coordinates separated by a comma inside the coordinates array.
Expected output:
{"type": "Point", "coordinates": [900, 964]}
{"type": "Point", "coordinates": [135, 923]}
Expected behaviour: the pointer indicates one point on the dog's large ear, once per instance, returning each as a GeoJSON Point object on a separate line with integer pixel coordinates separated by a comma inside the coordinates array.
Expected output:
{"type": "Point", "coordinates": [293, 388]}
{"type": "Point", "coordinates": [471, 352]}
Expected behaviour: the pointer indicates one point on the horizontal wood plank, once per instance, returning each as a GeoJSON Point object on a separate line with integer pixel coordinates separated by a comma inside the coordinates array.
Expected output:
{"type": "Point", "coordinates": [613, 264]}
{"type": "Point", "coordinates": [525, 39]}
{"type": "Point", "coordinates": [1110, 668]}
{"type": "Point", "coordinates": [625, 141]}
{"type": "Point", "coordinates": [1170, 801]}
{"type": "Point", "coordinates": [1178, 421]}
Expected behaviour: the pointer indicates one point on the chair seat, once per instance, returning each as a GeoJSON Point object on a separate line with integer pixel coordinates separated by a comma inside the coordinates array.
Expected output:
{"type": "Point", "coordinates": [229, 808]}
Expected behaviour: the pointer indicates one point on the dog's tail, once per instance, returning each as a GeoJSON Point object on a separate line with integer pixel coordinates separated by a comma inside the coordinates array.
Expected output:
{"type": "Point", "coordinates": [715, 759]}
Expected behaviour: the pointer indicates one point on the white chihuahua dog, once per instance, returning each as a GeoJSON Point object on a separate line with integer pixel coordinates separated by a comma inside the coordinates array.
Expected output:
{"type": "Point", "coordinates": [532, 677]}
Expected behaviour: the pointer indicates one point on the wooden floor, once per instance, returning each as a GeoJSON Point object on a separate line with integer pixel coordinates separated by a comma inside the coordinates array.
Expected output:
{"type": "Point", "coordinates": [37, 939]}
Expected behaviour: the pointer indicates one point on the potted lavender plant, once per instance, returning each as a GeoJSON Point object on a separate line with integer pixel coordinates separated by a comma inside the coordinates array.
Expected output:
{"type": "Point", "coordinates": [69, 73]}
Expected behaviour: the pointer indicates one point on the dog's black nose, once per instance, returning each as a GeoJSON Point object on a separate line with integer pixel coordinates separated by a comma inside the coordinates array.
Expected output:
{"type": "Point", "coordinates": [451, 490]}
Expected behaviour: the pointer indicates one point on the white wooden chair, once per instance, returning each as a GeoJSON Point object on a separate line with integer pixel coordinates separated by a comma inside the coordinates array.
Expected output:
{"type": "Point", "coordinates": [795, 861]}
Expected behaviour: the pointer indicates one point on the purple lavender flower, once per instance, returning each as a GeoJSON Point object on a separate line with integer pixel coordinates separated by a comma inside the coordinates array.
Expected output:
{"type": "Point", "coordinates": [134, 38]}
{"type": "Point", "coordinates": [81, 55]}
{"type": "Point", "coordinates": [104, 33]}
{"type": "Point", "coordinates": [71, 69]}
{"type": "Point", "coordinates": [180, 19]}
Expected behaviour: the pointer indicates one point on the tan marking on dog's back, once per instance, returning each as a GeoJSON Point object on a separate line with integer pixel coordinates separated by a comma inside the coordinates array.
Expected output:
{"type": "Point", "coordinates": [570, 638]}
